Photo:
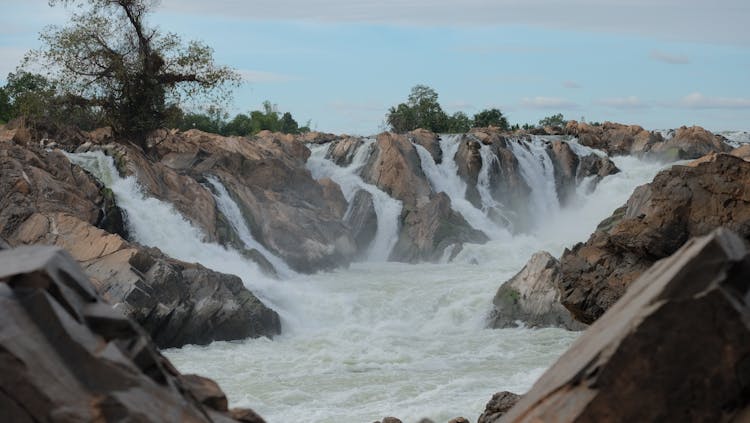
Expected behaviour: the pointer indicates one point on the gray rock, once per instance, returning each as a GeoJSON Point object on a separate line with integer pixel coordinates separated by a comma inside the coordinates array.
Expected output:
{"type": "Point", "coordinates": [68, 356]}
{"type": "Point", "coordinates": [675, 347]}
{"type": "Point", "coordinates": [500, 403]}
{"type": "Point", "coordinates": [362, 219]}
{"type": "Point", "coordinates": [532, 297]}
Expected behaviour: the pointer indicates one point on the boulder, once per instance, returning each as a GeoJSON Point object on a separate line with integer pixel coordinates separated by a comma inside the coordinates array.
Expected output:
{"type": "Point", "coordinates": [342, 151]}
{"type": "Point", "coordinates": [429, 140]}
{"type": "Point", "coordinates": [395, 168]}
{"type": "Point", "coordinates": [532, 297]}
{"type": "Point", "coordinates": [177, 303]}
{"type": "Point", "coordinates": [680, 203]}
{"type": "Point", "coordinates": [68, 356]}
{"type": "Point", "coordinates": [469, 161]}
{"type": "Point", "coordinates": [500, 403]}
{"type": "Point", "coordinates": [363, 220]}
{"type": "Point", "coordinates": [679, 338]}
{"type": "Point", "coordinates": [690, 143]}
{"type": "Point", "coordinates": [432, 228]}
{"type": "Point", "coordinates": [570, 169]}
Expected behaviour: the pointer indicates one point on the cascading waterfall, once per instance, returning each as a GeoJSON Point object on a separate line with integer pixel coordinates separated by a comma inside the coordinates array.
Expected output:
{"type": "Point", "coordinates": [539, 173]}
{"type": "Point", "coordinates": [231, 210]}
{"type": "Point", "coordinates": [444, 177]}
{"type": "Point", "coordinates": [378, 338]}
{"type": "Point", "coordinates": [154, 223]}
{"type": "Point", "coordinates": [387, 209]}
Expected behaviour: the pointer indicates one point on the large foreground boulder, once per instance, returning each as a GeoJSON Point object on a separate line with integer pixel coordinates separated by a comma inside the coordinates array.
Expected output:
{"type": "Point", "coordinates": [676, 347]}
{"type": "Point", "coordinates": [532, 297]}
{"type": "Point", "coordinates": [67, 356]}
{"type": "Point", "coordinates": [680, 203]}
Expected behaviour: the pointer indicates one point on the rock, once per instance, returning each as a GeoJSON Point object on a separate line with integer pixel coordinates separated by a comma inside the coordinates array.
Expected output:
{"type": "Point", "coordinates": [680, 203]}
{"type": "Point", "coordinates": [690, 143]}
{"type": "Point", "coordinates": [68, 356]}
{"type": "Point", "coordinates": [533, 297]}
{"type": "Point", "coordinates": [500, 403]}
{"type": "Point", "coordinates": [679, 337]}
{"type": "Point", "coordinates": [429, 140]}
{"type": "Point", "coordinates": [390, 420]}
{"type": "Point", "coordinates": [363, 220]}
{"type": "Point", "coordinates": [742, 152]}
{"type": "Point", "coordinates": [459, 420]}
{"type": "Point", "coordinates": [206, 391]}
{"type": "Point", "coordinates": [566, 163]}
{"type": "Point", "coordinates": [245, 415]}
{"type": "Point", "coordinates": [432, 228]}
{"type": "Point", "coordinates": [469, 162]}
{"type": "Point", "coordinates": [342, 151]}
{"type": "Point", "coordinates": [395, 168]}
{"type": "Point", "coordinates": [177, 303]}
{"type": "Point", "coordinates": [426, 421]}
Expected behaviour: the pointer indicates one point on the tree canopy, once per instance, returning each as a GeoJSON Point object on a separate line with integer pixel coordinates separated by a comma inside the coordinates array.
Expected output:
{"type": "Point", "coordinates": [422, 110]}
{"type": "Point", "coordinates": [110, 59]}
{"type": "Point", "coordinates": [554, 120]}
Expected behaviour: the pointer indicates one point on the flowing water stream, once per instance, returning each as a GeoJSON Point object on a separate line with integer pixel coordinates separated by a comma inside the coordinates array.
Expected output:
{"type": "Point", "coordinates": [379, 338]}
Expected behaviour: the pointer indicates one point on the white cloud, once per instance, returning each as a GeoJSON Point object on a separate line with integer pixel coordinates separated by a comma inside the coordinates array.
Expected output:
{"type": "Point", "coordinates": [672, 59]}
{"type": "Point", "coordinates": [630, 102]}
{"type": "Point", "coordinates": [548, 103]}
{"type": "Point", "coordinates": [699, 101]}
{"type": "Point", "coordinates": [719, 20]}
{"type": "Point", "coordinates": [571, 84]}
{"type": "Point", "coordinates": [255, 76]}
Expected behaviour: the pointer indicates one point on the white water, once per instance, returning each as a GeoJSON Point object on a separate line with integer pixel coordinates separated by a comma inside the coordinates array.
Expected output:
{"type": "Point", "coordinates": [444, 177]}
{"type": "Point", "coordinates": [231, 210]}
{"type": "Point", "coordinates": [387, 209]}
{"type": "Point", "coordinates": [539, 173]}
{"type": "Point", "coordinates": [379, 338]}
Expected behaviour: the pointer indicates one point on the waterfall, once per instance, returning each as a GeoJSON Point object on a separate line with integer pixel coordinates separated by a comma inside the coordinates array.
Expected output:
{"type": "Point", "coordinates": [231, 210]}
{"type": "Point", "coordinates": [538, 171]}
{"type": "Point", "coordinates": [444, 177]}
{"type": "Point", "coordinates": [387, 209]}
{"type": "Point", "coordinates": [155, 223]}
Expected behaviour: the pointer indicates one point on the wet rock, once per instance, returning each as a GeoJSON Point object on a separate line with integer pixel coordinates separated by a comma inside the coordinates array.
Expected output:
{"type": "Point", "coordinates": [459, 420]}
{"type": "Point", "coordinates": [532, 297]}
{"type": "Point", "coordinates": [429, 140]}
{"type": "Point", "coordinates": [469, 161]}
{"type": "Point", "coordinates": [395, 168]}
{"type": "Point", "coordinates": [342, 151]}
{"type": "Point", "coordinates": [68, 356]}
{"type": "Point", "coordinates": [678, 337]}
{"type": "Point", "coordinates": [690, 143]}
{"type": "Point", "coordinates": [432, 228]}
{"type": "Point", "coordinates": [177, 303]}
{"type": "Point", "coordinates": [362, 218]}
{"type": "Point", "coordinates": [245, 415]}
{"type": "Point", "coordinates": [500, 403]}
{"type": "Point", "coordinates": [390, 420]}
{"type": "Point", "coordinates": [659, 217]}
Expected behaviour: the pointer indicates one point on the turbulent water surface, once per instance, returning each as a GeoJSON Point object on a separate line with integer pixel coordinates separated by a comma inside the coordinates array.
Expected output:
{"type": "Point", "coordinates": [379, 338]}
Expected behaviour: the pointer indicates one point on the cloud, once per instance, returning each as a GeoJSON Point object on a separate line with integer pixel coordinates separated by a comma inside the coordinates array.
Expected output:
{"type": "Point", "coordinates": [571, 84]}
{"type": "Point", "coordinates": [631, 102]}
{"type": "Point", "coordinates": [260, 77]}
{"type": "Point", "coordinates": [722, 21]}
{"type": "Point", "coordinates": [699, 101]}
{"type": "Point", "coordinates": [672, 59]}
{"type": "Point", "coordinates": [548, 103]}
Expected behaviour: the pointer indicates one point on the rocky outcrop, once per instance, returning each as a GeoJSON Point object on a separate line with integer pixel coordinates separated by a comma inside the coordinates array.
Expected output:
{"type": "Point", "coordinates": [680, 203]}
{"type": "Point", "coordinates": [469, 162]}
{"type": "Point", "coordinates": [679, 337]}
{"type": "Point", "coordinates": [498, 405]}
{"type": "Point", "coordinates": [532, 297]}
{"type": "Point", "coordinates": [342, 151]}
{"type": "Point", "coordinates": [287, 210]}
{"type": "Point", "coordinates": [619, 139]}
{"type": "Point", "coordinates": [68, 356]}
{"type": "Point", "coordinates": [363, 220]}
{"type": "Point", "coordinates": [429, 230]}
{"type": "Point", "coordinates": [47, 200]}
{"type": "Point", "coordinates": [429, 140]}
{"type": "Point", "coordinates": [570, 169]}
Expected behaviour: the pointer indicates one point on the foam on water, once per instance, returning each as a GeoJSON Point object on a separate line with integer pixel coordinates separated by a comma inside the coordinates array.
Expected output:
{"type": "Point", "coordinates": [378, 338]}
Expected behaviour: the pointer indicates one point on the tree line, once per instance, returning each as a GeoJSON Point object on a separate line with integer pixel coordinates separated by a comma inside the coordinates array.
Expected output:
{"type": "Point", "coordinates": [108, 67]}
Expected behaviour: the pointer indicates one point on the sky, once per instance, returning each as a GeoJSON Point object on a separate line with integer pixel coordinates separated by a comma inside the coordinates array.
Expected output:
{"type": "Point", "coordinates": [342, 63]}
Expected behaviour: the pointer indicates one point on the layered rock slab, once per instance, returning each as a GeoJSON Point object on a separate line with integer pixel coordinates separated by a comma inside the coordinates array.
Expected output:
{"type": "Point", "coordinates": [674, 348]}
{"type": "Point", "coordinates": [681, 202]}
{"type": "Point", "coordinates": [66, 355]}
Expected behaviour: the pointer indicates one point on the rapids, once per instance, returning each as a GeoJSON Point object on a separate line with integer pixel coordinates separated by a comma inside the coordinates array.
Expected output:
{"type": "Point", "coordinates": [381, 338]}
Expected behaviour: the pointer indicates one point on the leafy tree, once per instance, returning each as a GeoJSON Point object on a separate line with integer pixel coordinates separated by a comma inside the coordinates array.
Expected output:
{"type": "Point", "coordinates": [554, 120]}
{"type": "Point", "coordinates": [422, 110]}
{"type": "Point", "coordinates": [288, 125]}
{"type": "Point", "coordinates": [109, 58]}
{"type": "Point", "coordinates": [491, 117]}
{"type": "Point", "coordinates": [459, 122]}
{"type": "Point", "coordinates": [240, 125]}
{"type": "Point", "coordinates": [5, 106]}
